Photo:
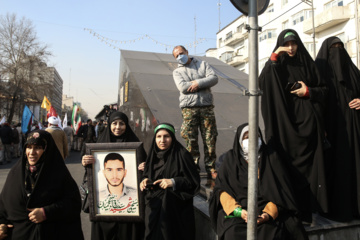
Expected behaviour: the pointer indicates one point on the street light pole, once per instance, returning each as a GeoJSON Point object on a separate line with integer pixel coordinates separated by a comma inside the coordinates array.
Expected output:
{"type": "Point", "coordinates": [253, 120]}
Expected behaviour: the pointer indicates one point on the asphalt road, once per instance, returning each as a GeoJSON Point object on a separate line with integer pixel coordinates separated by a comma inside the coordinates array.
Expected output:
{"type": "Point", "coordinates": [73, 163]}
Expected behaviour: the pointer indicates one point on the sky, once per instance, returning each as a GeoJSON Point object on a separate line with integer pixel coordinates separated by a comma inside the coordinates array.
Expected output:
{"type": "Point", "coordinates": [85, 36]}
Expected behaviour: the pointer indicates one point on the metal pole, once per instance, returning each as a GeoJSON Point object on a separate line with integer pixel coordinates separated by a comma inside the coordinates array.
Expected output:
{"type": "Point", "coordinates": [357, 32]}
{"type": "Point", "coordinates": [313, 25]}
{"type": "Point", "coordinates": [253, 121]}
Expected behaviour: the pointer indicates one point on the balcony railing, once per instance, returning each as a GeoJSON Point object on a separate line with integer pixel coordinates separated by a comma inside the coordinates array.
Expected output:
{"type": "Point", "coordinates": [327, 19]}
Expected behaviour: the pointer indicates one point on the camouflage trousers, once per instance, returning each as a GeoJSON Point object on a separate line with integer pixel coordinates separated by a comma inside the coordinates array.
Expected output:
{"type": "Point", "coordinates": [202, 118]}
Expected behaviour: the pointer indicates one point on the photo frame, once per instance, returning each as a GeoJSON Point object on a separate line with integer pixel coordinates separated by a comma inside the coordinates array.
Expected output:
{"type": "Point", "coordinates": [114, 192]}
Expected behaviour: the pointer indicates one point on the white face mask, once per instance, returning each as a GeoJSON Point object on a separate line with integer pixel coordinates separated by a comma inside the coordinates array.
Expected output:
{"type": "Point", "coordinates": [245, 145]}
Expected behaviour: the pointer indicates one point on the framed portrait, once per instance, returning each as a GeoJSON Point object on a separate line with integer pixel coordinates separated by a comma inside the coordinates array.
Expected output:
{"type": "Point", "coordinates": [114, 192]}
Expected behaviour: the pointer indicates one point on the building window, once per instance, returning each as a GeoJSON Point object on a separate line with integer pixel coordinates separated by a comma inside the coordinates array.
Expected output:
{"type": "Point", "coordinates": [334, 3]}
{"type": "Point", "coordinates": [262, 63]}
{"type": "Point", "coordinates": [228, 35]}
{"type": "Point", "coordinates": [309, 47]}
{"type": "Point", "coordinates": [226, 56]}
{"type": "Point", "coordinates": [285, 25]}
{"type": "Point", "coordinates": [267, 35]}
{"type": "Point", "coordinates": [301, 16]}
{"type": "Point", "coordinates": [240, 51]}
{"type": "Point", "coordinates": [284, 2]}
{"type": "Point", "coordinates": [270, 8]}
{"type": "Point", "coordinates": [220, 42]}
{"type": "Point", "coordinates": [240, 28]}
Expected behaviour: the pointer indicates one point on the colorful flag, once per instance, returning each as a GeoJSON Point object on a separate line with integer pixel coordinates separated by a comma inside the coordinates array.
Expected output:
{"type": "Point", "coordinates": [46, 103]}
{"type": "Point", "coordinates": [76, 119]}
{"type": "Point", "coordinates": [3, 120]}
{"type": "Point", "coordinates": [51, 112]}
{"type": "Point", "coordinates": [65, 121]}
{"type": "Point", "coordinates": [26, 121]}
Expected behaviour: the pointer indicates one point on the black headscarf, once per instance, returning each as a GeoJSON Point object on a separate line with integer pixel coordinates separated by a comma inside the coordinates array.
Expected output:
{"type": "Point", "coordinates": [294, 125]}
{"type": "Point", "coordinates": [342, 126]}
{"type": "Point", "coordinates": [177, 164]}
{"type": "Point", "coordinates": [119, 230]}
{"type": "Point", "coordinates": [53, 189]}
{"type": "Point", "coordinates": [274, 185]}
{"type": "Point", "coordinates": [169, 213]}
{"type": "Point", "coordinates": [127, 136]}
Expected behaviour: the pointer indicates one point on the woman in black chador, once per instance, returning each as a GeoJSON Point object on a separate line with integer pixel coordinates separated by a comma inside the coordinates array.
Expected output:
{"type": "Point", "coordinates": [170, 180]}
{"type": "Point", "coordinates": [117, 130]}
{"type": "Point", "coordinates": [40, 199]}
{"type": "Point", "coordinates": [342, 125]}
{"type": "Point", "coordinates": [292, 107]}
{"type": "Point", "coordinates": [277, 207]}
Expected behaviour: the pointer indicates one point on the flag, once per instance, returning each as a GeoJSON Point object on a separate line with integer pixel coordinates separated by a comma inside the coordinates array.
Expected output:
{"type": "Point", "coordinates": [65, 121]}
{"type": "Point", "coordinates": [3, 120]}
{"type": "Point", "coordinates": [76, 119]}
{"type": "Point", "coordinates": [46, 103]}
{"type": "Point", "coordinates": [26, 121]}
{"type": "Point", "coordinates": [51, 112]}
{"type": "Point", "coordinates": [60, 122]}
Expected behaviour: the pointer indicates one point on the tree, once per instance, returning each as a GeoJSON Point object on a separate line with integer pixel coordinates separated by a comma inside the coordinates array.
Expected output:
{"type": "Point", "coordinates": [22, 61]}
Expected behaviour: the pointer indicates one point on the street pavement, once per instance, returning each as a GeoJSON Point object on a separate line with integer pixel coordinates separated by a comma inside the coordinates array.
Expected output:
{"type": "Point", "coordinates": [73, 162]}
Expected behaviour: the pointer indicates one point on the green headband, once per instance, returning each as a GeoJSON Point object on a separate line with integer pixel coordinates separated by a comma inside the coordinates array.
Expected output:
{"type": "Point", "coordinates": [289, 34]}
{"type": "Point", "coordinates": [166, 127]}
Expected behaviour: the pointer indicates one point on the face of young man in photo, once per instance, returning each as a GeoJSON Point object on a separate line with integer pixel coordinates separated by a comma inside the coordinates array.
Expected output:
{"type": "Point", "coordinates": [114, 172]}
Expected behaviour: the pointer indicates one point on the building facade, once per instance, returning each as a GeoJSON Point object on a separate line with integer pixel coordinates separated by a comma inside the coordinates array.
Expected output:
{"type": "Point", "coordinates": [55, 92]}
{"type": "Point", "coordinates": [332, 18]}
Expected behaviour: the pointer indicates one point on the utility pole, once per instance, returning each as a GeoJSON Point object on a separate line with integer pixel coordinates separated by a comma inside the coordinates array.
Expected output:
{"type": "Point", "coordinates": [195, 35]}
{"type": "Point", "coordinates": [219, 6]}
{"type": "Point", "coordinates": [311, 3]}
{"type": "Point", "coordinates": [357, 32]}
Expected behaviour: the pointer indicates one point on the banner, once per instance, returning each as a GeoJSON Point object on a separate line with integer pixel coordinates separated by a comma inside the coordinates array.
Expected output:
{"type": "Point", "coordinates": [26, 121]}
{"type": "Point", "coordinates": [65, 121]}
{"type": "Point", "coordinates": [46, 104]}
{"type": "Point", "coordinates": [76, 119]}
{"type": "Point", "coordinates": [60, 122]}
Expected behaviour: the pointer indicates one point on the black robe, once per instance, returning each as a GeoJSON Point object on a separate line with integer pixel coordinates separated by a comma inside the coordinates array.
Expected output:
{"type": "Point", "coordinates": [294, 125]}
{"type": "Point", "coordinates": [118, 230]}
{"type": "Point", "coordinates": [342, 125]}
{"type": "Point", "coordinates": [274, 185]}
{"type": "Point", "coordinates": [169, 214]}
{"type": "Point", "coordinates": [54, 190]}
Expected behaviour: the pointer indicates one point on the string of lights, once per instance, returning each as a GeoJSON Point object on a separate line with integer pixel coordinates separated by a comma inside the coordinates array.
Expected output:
{"type": "Point", "coordinates": [114, 43]}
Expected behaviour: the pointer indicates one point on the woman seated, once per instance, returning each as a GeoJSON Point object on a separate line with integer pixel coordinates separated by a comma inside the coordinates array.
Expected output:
{"type": "Point", "coordinates": [275, 203]}
{"type": "Point", "coordinates": [171, 180]}
{"type": "Point", "coordinates": [40, 199]}
{"type": "Point", "coordinates": [118, 130]}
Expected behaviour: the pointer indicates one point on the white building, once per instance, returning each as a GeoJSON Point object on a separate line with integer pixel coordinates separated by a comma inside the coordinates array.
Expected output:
{"type": "Point", "coordinates": [332, 18]}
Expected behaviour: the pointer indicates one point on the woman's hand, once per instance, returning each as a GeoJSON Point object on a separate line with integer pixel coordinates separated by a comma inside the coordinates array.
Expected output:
{"type": "Point", "coordinates": [281, 50]}
{"type": "Point", "coordinates": [263, 218]}
{"type": "Point", "coordinates": [244, 215]}
{"type": "Point", "coordinates": [141, 166]}
{"type": "Point", "coordinates": [143, 184]}
{"type": "Point", "coordinates": [301, 91]}
{"type": "Point", "coordinates": [3, 230]}
{"type": "Point", "coordinates": [36, 215]}
{"type": "Point", "coordinates": [355, 103]}
{"type": "Point", "coordinates": [164, 183]}
{"type": "Point", "coordinates": [87, 159]}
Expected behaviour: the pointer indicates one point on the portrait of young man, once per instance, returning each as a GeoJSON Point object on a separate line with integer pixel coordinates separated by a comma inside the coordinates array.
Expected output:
{"type": "Point", "coordinates": [116, 196]}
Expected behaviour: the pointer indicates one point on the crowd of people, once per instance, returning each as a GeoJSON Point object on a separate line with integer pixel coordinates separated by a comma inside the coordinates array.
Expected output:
{"type": "Point", "coordinates": [308, 158]}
